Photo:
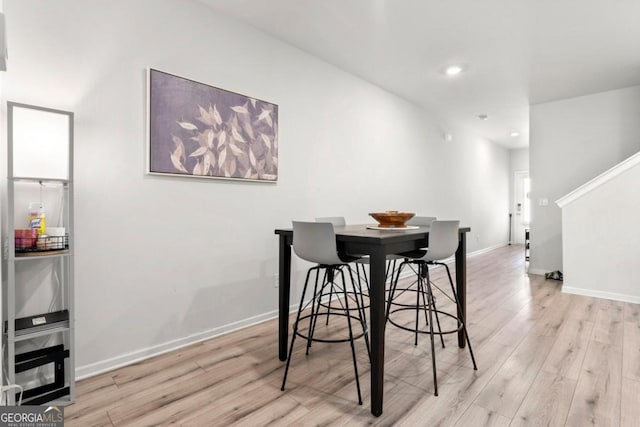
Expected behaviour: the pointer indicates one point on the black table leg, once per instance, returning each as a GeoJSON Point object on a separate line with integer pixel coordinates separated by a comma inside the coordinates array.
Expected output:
{"type": "Point", "coordinates": [284, 287]}
{"type": "Point", "coordinates": [461, 282]}
{"type": "Point", "coordinates": [377, 322]}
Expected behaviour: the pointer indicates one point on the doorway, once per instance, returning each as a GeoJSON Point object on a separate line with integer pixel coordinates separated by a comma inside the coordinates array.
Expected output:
{"type": "Point", "coordinates": [521, 206]}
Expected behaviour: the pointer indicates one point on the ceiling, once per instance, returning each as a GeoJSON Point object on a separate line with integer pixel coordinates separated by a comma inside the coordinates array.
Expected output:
{"type": "Point", "coordinates": [514, 52]}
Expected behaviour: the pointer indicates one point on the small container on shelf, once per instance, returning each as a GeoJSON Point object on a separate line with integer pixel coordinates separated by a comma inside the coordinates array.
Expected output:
{"type": "Point", "coordinates": [43, 242]}
{"type": "Point", "coordinates": [26, 238]}
{"type": "Point", "coordinates": [37, 217]}
{"type": "Point", "coordinates": [57, 237]}
{"type": "Point", "coordinates": [28, 242]}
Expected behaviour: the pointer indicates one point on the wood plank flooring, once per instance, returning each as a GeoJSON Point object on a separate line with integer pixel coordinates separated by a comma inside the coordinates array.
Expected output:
{"type": "Point", "coordinates": [544, 358]}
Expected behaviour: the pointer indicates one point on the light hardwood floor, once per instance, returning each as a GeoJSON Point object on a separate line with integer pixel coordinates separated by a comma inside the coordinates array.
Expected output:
{"type": "Point", "coordinates": [544, 358]}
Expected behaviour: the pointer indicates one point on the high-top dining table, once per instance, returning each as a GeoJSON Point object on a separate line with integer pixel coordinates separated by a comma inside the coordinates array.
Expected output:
{"type": "Point", "coordinates": [358, 239]}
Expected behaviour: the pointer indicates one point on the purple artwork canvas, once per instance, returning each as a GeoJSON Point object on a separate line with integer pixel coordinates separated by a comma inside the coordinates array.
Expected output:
{"type": "Point", "coordinates": [200, 130]}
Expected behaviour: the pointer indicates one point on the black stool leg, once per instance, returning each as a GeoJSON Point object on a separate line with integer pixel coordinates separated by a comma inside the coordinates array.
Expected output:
{"type": "Point", "coordinates": [419, 290]}
{"type": "Point", "coordinates": [427, 307]}
{"type": "Point", "coordinates": [392, 290]}
{"type": "Point", "coordinates": [295, 330]}
{"type": "Point", "coordinates": [391, 268]}
{"type": "Point", "coordinates": [361, 312]}
{"type": "Point", "coordinates": [314, 309]}
{"type": "Point", "coordinates": [435, 309]}
{"type": "Point", "coordinates": [433, 347]}
{"type": "Point", "coordinates": [330, 279]}
{"type": "Point", "coordinates": [366, 278]}
{"type": "Point", "coordinates": [464, 327]}
{"type": "Point", "coordinates": [363, 276]}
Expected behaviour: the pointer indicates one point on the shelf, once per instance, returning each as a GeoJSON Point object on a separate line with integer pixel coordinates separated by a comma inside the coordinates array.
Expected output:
{"type": "Point", "coordinates": [42, 254]}
{"type": "Point", "coordinates": [40, 325]}
{"type": "Point", "coordinates": [48, 397]}
{"type": "Point", "coordinates": [23, 336]}
{"type": "Point", "coordinates": [39, 180]}
{"type": "Point", "coordinates": [45, 176]}
{"type": "Point", "coordinates": [43, 393]}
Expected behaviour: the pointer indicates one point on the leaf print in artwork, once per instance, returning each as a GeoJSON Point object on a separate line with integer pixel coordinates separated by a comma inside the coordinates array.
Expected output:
{"type": "Point", "coordinates": [188, 126]}
{"type": "Point", "coordinates": [205, 139]}
{"type": "Point", "coordinates": [197, 170]}
{"type": "Point", "coordinates": [206, 117]}
{"type": "Point", "coordinates": [236, 151]}
{"type": "Point", "coordinates": [222, 138]}
{"type": "Point", "coordinates": [199, 152]}
{"type": "Point", "coordinates": [266, 140]}
{"type": "Point", "coordinates": [243, 159]}
{"type": "Point", "coordinates": [196, 129]}
{"type": "Point", "coordinates": [236, 135]}
{"type": "Point", "coordinates": [175, 159]}
{"type": "Point", "coordinates": [179, 151]}
{"type": "Point", "coordinates": [209, 135]}
{"type": "Point", "coordinates": [210, 160]}
{"type": "Point", "coordinates": [275, 133]}
{"type": "Point", "coordinates": [240, 109]}
{"type": "Point", "coordinates": [216, 115]}
{"type": "Point", "coordinates": [206, 163]}
{"type": "Point", "coordinates": [222, 158]}
{"type": "Point", "coordinates": [266, 116]}
{"type": "Point", "coordinates": [246, 126]}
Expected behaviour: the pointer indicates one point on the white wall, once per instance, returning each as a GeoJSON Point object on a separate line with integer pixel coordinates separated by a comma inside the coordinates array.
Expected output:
{"type": "Point", "coordinates": [162, 261]}
{"type": "Point", "coordinates": [571, 142]}
{"type": "Point", "coordinates": [519, 159]}
{"type": "Point", "coordinates": [601, 247]}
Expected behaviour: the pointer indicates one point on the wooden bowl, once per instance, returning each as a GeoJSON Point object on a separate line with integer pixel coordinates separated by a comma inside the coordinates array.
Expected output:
{"type": "Point", "coordinates": [392, 219]}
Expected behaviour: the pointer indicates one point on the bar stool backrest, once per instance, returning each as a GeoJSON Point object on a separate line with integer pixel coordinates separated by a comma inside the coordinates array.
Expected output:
{"type": "Point", "coordinates": [421, 220]}
{"type": "Point", "coordinates": [316, 242]}
{"type": "Point", "coordinates": [443, 240]}
{"type": "Point", "coordinates": [337, 221]}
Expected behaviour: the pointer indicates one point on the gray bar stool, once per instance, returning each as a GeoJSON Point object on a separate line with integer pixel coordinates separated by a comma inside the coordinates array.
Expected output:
{"type": "Point", "coordinates": [359, 262]}
{"type": "Point", "coordinates": [316, 242]}
{"type": "Point", "coordinates": [443, 242]}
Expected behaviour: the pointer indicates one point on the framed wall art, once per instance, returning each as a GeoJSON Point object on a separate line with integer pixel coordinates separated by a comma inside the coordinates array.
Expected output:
{"type": "Point", "coordinates": [197, 130]}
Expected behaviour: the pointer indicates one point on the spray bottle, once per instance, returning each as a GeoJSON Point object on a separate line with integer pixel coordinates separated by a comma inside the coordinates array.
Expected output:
{"type": "Point", "coordinates": [37, 217]}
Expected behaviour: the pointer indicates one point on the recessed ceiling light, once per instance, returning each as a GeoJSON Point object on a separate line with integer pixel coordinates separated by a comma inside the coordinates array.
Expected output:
{"type": "Point", "coordinates": [514, 134]}
{"type": "Point", "coordinates": [483, 117]}
{"type": "Point", "coordinates": [453, 70]}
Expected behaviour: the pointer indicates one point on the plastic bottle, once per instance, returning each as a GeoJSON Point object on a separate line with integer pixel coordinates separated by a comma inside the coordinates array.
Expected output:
{"type": "Point", "coordinates": [37, 217]}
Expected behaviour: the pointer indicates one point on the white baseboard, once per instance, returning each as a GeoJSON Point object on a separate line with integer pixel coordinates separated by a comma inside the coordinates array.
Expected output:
{"type": "Point", "coordinates": [601, 294]}
{"type": "Point", "coordinates": [485, 250]}
{"type": "Point", "coordinates": [156, 350]}
{"type": "Point", "coordinates": [538, 271]}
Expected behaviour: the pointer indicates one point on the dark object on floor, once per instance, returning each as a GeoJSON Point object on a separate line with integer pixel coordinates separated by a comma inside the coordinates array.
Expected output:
{"type": "Point", "coordinates": [554, 275]}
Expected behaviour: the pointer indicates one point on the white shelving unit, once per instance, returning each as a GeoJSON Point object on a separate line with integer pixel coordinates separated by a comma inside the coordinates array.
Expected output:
{"type": "Point", "coordinates": [39, 339]}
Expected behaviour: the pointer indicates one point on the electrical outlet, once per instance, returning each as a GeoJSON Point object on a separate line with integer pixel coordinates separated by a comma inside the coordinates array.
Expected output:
{"type": "Point", "coordinates": [276, 280]}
